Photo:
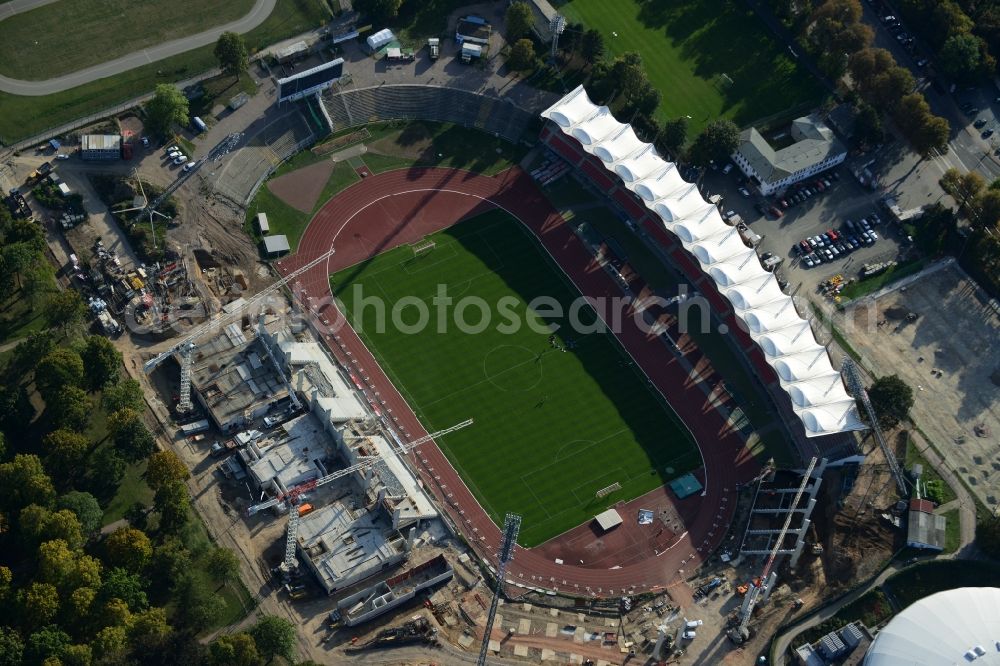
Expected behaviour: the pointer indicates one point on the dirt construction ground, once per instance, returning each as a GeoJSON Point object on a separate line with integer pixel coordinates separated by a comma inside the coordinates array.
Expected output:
{"type": "Point", "coordinates": [949, 357]}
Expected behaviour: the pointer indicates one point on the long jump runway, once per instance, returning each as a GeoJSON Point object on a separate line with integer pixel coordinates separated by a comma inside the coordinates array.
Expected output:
{"type": "Point", "coordinates": [400, 207]}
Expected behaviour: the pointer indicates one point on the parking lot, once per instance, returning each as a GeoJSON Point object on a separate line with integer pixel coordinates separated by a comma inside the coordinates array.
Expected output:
{"type": "Point", "coordinates": [816, 215]}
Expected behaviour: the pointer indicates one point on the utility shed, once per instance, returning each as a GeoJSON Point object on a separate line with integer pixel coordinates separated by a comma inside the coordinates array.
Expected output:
{"type": "Point", "coordinates": [262, 223]}
{"type": "Point", "coordinates": [925, 529]}
{"type": "Point", "coordinates": [276, 244]}
{"type": "Point", "coordinates": [608, 519]}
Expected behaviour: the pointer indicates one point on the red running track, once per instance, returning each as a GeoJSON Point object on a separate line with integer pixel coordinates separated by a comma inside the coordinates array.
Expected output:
{"type": "Point", "coordinates": [384, 211]}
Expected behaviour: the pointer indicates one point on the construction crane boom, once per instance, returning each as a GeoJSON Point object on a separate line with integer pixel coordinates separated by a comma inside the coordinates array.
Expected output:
{"type": "Point", "coordinates": [152, 363]}
{"type": "Point", "coordinates": [751, 600]}
{"type": "Point", "coordinates": [293, 494]}
{"type": "Point", "coordinates": [511, 527]}
{"type": "Point", "coordinates": [857, 388]}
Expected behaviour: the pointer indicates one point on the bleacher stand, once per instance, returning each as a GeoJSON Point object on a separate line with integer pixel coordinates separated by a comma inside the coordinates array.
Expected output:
{"type": "Point", "coordinates": [349, 108]}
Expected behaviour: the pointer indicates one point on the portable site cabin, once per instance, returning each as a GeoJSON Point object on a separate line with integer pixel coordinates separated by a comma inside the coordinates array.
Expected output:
{"type": "Point", "coordinates": [379, 39]}
{"type": "Point", "coordinates": [434, 44]}
{"type": "Point", "coordinates": [262, 224]}
{"type": "Point", "coordinates": [470, 51]}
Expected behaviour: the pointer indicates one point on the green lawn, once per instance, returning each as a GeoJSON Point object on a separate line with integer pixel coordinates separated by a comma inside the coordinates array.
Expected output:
{"type": "Point", "coordinates": [924, 580]}
{"type": "Point", "coordinates": [21, 117]}
{"type": "Point", "coordinates": [914, 457]}
{"type": "Point", "coordinates": [133, 489]}
{"type": "Point", "coordinates": [71, 35]}
{"type": "Point", "coordinates": [952, 531]}
{"type": "Point", "coordinates": [872, 608]}
{"type": "Point", "coordinates": [18, 318]}
{"type": "Point", "coordinates": [551, 427]}
{"type": "Point", "coordinates": [688, 45]}
{"type": "Point", "coordinates": [873, 284]}
{"type": "Point", "coordinates": [282, 218]}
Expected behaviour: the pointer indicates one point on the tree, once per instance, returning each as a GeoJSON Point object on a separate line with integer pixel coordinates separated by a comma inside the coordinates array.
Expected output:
{"type": "Point", "coordinates": [69, 408]}
{"type": "Point", "coordinates": [66, 451]}
{"type": "Point", "coordinates": [522, 55]}
{"type": "Point", "coordinates": [65, 568]}
{"type": "Point", "coordinates": [24, 482]}
{"type": "Point", "coordinates": [39, 603]}
{"type": "Point", "coordinates": [65, 309]}
{"type": "Point", "coordinates": [868, 126]}
{"type": "Point", "coordinates": [926, 132]}
{"type": "Point", "coordinates": [60, 367]}
{"type": "Point", "coordinates": [11, 647]}
{"type": "Point", "coordinates": [200, 606]}
{"type": "Point", "coordinates": [988, 535]}
{"type": "Point", "coordinates": [38, 524]}
{"type": "Point", "coordinates": [647, 100]}
{"type": "Point", "coordinates": [31, 350]}
{"type": "Point", "coordinates": [171, 560]}
{"type": "Point", "coordinates": [110, 644]}
{"type": "Point", "coordinates": [128, 548]}
{"type": "Point", "coordinates": [866, 64]}
{"type": "Point", "coordinates": [675, 134]}
{"type": "Point", "coordinates": [960, 58]}
{"type": "Point", "coordinates": [107, 468]}
{"type": "Point", "coordinates": [891, 399]}
{"type": "Point", "coordinates": [148, 631]}
{"type": "Point", "coordinates": [716, 142]}
{"type": "Point", "coordinates": [77, 655]}
{"type": "Point", "coordinates": [223, 565]}
{"type": "Point", "coordinates": [46, 643]}
{"type": "Point", "coordinates": [172, 502]}
{"type": "Point", "coordinates": [518, 20]}
{"type": "Point", "coordinates": [101, 362]}
{"type": "Point", "coordinates": [592, 47]}
{"type": "Point", "coordinates": [274, 636]}
{"type": "Point", "coordinates": [81, 601]}
{"type": "Point", "coordinates": [889, 87]}
{"type": "Point", "coordinates": [987, 205]}
{"type": "Point", "coordinates": [86, 509]}
{"type": "Point", "coordinates": [168, 107]}
{"type": "Point", "coordinates": [630, 77]}
{"type": "Point", "coordinates": [124, 393]}
{"type": "Point", "coordinates": [126, 586]}
{"type": "Point", "coordinates": [132, 438]}
{"type": "Point", "coordinates": [378, 10]}
{"type": "Point", "coordinates": [165, 467]}
{"type": "Point", "coordinates": [232, 650]}
{"type": "Point", "coordinates": [231, 52]}
{"type": "Point", "coordinates": [37, 282]}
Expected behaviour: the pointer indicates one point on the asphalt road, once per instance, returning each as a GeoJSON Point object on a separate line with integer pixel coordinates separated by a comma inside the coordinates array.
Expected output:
{"type": "Point", "coordinates": [260, 11]}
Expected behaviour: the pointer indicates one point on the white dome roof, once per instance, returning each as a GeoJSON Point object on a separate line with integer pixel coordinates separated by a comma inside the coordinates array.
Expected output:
{"type": "Point", "coordinates": [619, 145]}
{"type": "Point", "coordinates": [597, 128]}
{"type": "Point", "coordinates": [640, 165]}
{"type": "Point", "coordinates": [780, 343]}
{"type": "Point", "coordinates": [663, 184]}
{"type": "Point", "coordinates": [819, 420]}
{"type": "Point", "coordinates": [941, 630]}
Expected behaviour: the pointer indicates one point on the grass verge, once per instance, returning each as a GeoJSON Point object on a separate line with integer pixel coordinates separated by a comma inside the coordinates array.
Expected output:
{"type": "Point", "coordinates": [715, 57]}
{"type": "Point", "coordinates": [915, 457]}
{"type": "Point", "coordinates": [952, 531]}
{"type": "Point", "coordinates": [534, 449]}
{"type": "Point", "coordinates": [922, 581]}
{"type": "Point", "coordinates": [873, 284]}
{"type": "Point", "coordinates": [35, 45]}
{"type": "Point", "coordinates": [872, 608]}
{"type": "Point", "coordinates": [23, 117]}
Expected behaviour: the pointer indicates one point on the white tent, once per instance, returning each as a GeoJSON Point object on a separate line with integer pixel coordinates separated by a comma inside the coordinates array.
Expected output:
{"type": "Point", "coordinates": [379, 39]}
{"type": "Point", "coordinates": [803, 366]}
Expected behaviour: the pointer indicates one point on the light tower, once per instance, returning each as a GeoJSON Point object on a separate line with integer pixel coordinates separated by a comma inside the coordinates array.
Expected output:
{"type": "Point", "coordinates": [511, 526]}
{"type": "Point", "coordinates": [556, 25]}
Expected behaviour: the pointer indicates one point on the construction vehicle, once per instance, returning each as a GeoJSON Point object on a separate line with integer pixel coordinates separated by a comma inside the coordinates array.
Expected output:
{"type": "Point", "coordinates": [434, 46]}
{"type": "Point", "coordinates": [44, 169]}
{"type": "Point", "coordinates": [290, 500]}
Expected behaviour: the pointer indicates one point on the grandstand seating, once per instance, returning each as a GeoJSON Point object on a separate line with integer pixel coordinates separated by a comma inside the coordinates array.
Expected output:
{"type": "Point", "coordinates": [348, 108]}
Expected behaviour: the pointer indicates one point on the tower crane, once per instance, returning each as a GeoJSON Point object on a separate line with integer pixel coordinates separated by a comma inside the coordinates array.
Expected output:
{"type": "Point", "coordinates": [187, 345]}
{"type": "Point", "coordinates": [292, 497]}
{"type": "Point", "coordinates": [740, 633]}
{"type": "Point", "coordinates": [511, 526]}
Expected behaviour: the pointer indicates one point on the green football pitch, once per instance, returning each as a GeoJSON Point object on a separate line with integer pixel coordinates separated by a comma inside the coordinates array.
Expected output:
{"type": "Point", "coordinates": [708, 58]}
{"type": "Point", "coordinates": [552, 427]}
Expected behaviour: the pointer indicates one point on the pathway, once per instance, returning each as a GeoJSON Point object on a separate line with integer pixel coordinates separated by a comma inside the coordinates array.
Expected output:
{"type": "Point", "coordinates": [260, 11]}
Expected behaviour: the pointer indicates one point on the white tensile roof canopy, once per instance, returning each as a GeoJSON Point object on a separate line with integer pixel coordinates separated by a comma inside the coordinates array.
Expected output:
{"type": "Point", "coordinates": [803, 365]}
{"type": "Point", "coordinates": [958, 626]}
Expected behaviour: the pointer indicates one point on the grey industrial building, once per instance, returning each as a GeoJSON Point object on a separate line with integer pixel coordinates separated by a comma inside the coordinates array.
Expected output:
{"type": "Point", "coordinates": [101, 146]}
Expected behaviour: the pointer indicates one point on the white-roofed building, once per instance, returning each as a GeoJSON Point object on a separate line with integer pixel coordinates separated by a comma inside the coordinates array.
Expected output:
{"type": "Point", "coordinates": [785, 338]}
{"type": "Point", "coordinates": [958, 626]}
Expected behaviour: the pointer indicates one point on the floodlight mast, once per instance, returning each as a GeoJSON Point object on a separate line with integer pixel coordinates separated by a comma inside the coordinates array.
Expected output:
{"type": "Point", "coordinates": [511, 527]}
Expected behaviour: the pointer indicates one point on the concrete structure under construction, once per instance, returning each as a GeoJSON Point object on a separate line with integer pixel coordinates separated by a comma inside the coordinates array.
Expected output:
{"type": "Point", "coordinates": [772, 506]}
{"type": "Point", "coordinates": [373, 601]}
{"type": "Point", "coordinates": [295, 453]}
{"type": "Point", "coordinates": [234, 380]}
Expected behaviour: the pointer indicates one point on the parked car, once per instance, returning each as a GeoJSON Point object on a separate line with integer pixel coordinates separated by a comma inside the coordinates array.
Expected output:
{"type": "Point", "coordinates": [745, 192]}
{"type": "Point", "coordinates": [726, 169]}
{"type": "Point", "coordinates": [62, 156]}
{"type": "Point", "coordinates": [180, 159]}
{"type": "Point", "coordinates": [272, 420]}
{"type": "Point", "coordinates": [987, 133]}
{"type": "Point", "coordinates": [776, 212]}
{"type": "Point", "coordinates": [189, 166]}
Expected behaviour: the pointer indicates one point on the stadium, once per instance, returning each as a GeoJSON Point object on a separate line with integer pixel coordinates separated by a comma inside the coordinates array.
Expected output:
{"type": "Point", "coordinates": [627, 419]}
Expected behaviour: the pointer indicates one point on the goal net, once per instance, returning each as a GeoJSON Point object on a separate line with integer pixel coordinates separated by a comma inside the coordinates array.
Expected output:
{"type": "Point", "coordinates": [604, 492]}
{"type": "Point", "coordinates": [422, 248]}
